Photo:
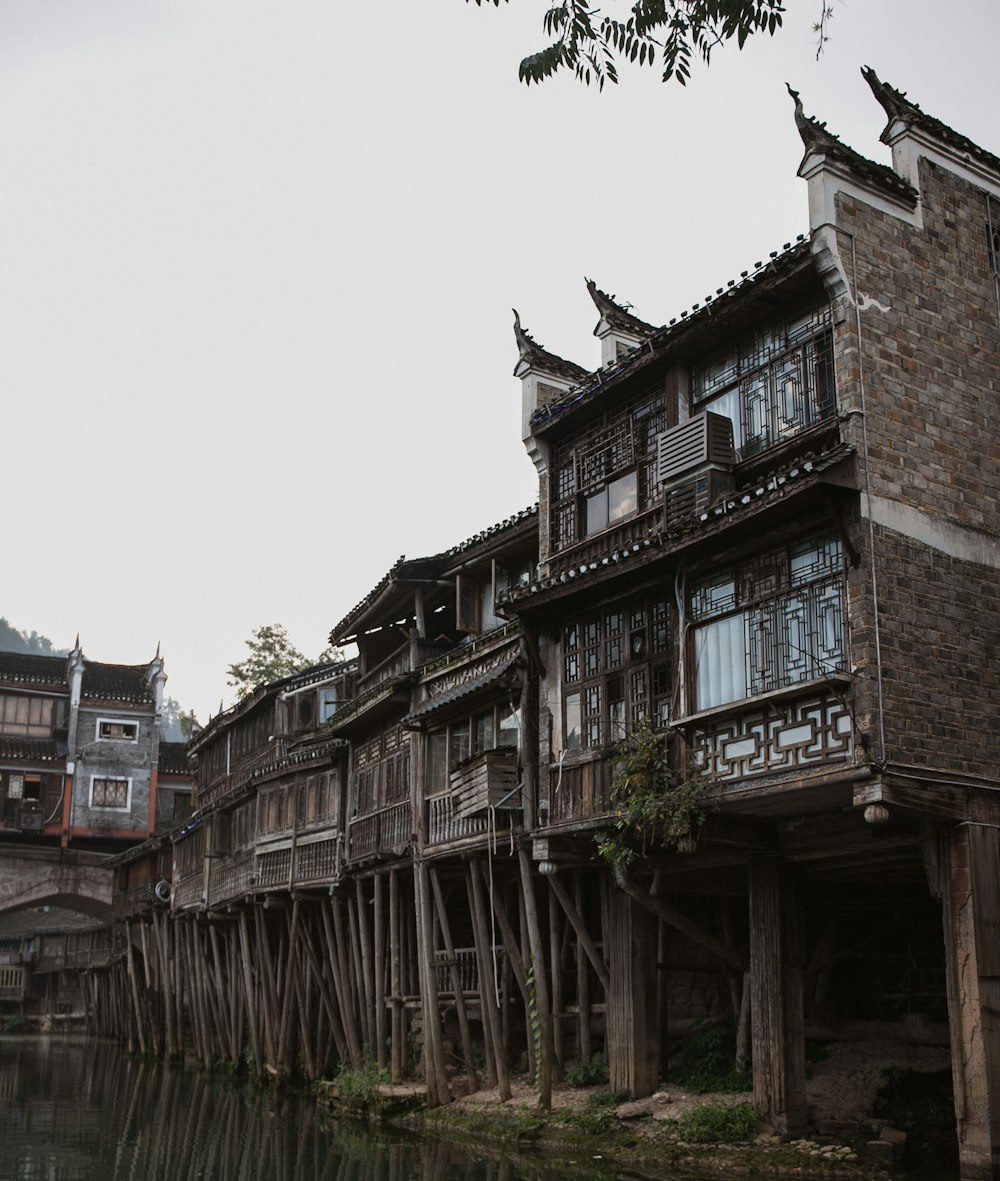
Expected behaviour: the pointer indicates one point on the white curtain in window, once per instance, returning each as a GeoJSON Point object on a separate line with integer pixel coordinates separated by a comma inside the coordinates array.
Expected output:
{"type": "Point", "coordinates": [720, 662]}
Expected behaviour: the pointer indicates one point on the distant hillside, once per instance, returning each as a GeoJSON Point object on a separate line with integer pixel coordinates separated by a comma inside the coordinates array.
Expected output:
{"type": "Point", "coordinates": [12, 640]}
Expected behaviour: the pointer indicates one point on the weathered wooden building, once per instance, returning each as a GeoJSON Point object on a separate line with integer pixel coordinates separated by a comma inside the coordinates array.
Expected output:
{"type": "Point", "coordinates": [767, 538]}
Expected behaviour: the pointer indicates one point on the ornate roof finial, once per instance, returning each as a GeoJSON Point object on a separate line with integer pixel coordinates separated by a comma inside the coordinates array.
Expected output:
{"type": "Point", "coordinates": [814, 134]}
{"type": "Point", "coordinates": [616, 314]}
{"type": "Point", "coordinates": [532, 353]}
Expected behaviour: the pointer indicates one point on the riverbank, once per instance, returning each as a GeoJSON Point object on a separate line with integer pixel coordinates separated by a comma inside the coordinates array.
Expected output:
{"type": "Point", "coordinates": [852, 1134]}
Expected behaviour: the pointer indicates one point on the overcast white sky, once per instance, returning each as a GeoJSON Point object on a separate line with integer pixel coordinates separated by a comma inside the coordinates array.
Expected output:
{"type": "Point", "coordinates": [257, 262]}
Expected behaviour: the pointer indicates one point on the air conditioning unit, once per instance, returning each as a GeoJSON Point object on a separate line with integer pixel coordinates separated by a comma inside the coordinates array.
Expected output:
{"type": "Point", "coordinates": [687, 499]}
{"type": "Point", "coordinates": [705, 439]}
{"type": "Point", "coordinates": [695, 462]}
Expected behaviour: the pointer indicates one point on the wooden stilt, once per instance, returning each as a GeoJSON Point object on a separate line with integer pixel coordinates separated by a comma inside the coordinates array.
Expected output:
{"type": "Point", "coordinates": [456, 982]}
{"type": "Point", "coordinates": [970, 890]}
{"type": "Point", "coordinates": [396, 980]}
{"type": "Point", "coordinates": [487, 976]}
{"type": "Point", "coordinates": [631, 996]}
{"type": "Point", "coordinates": [379, 981]}
{"type": "Point", "coordinates": [541, 1009]}
{"type": "Point", "coordinates": [776, 995]}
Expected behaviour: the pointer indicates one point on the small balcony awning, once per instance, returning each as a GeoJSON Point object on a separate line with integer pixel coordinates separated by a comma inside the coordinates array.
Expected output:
{"type": "Point", "coordinates": [505, 675]}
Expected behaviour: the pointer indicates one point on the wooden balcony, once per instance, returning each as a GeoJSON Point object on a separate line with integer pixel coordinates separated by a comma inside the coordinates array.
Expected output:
{"type": "Point", "coordinates": [443, 825]}
{"type": "Point", "coordinates": [580, 791]}
{"type": "Point", "coordinates": [232, 877]}
{"type": "Point", "coordinates": [484, 782]}
{"type": "Point", "coordinates": [384, 831]}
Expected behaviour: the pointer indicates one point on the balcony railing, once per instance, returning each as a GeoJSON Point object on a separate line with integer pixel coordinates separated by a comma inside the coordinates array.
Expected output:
{"type": "Point", "coordinates": [232, 876]}
{"type": "Point", "coordinates": [317, 861]}
{"type": "Point", "coordinates": [468, 969]}
{"type": "Point", "coordinates": [580, 791]}
{"type": "Point", "coordinates": [608, 541]}
{"type": "Point", "coordinates": [380, 832]}
{"type": "Point", "coordinates": [444, 825]}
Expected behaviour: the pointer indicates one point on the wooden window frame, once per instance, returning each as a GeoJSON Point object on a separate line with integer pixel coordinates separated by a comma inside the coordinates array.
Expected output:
{"type": "Point", "coordinates": [616, 671]}
{"type": "Point", "coordinates": [765, 597]}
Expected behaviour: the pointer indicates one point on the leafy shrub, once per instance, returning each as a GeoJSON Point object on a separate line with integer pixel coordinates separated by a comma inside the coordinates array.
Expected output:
{"type": "Point", "coordinates": [359, 1085]}
{"type": "Point", "coordinates": [717, 1123]}
{"type": "Point", "coordinates": [707, 1062]}
{"type": "Point", "coordinates": [588, 1072]}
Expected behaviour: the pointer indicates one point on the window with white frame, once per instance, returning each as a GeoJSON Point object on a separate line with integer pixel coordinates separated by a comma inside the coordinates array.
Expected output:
{"type": "Point", "coordinates": [616, 672]}
{"type": "Point", "coordinates": [110, 792]}
{"type": "Point", "coordinates": [773, 384]}
{"type": "Point", "coordinates": [117, 730]}
{"type": "Point", "coordinates": [770, 621]}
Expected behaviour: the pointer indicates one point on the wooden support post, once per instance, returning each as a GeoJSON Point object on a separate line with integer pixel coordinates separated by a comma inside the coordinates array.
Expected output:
{"type": "Point", "coordinates": [267, 993]}
{"type": "Point", "coordinates": [398, 1033]}
{"type": "Point", "coordinates": [631, 996]}
{"type": "Point", "coordinates": [133, 981]}
{"type": "Point", "coordinates": [367, 979]}
{"type": "Point", "coordinates": [487, 978]}
{"type": "Point", "coordinates": [971, 902]}
{"type": "Point", "coordinates": [358, 975]}
{"type": "Point", "coordinates": [252, 1002]}
{"type": "Point", "coordinates": [378, 993]}
{"type": "Point", "coordinates": [288, 995]}
{"type": "Point", "coordinates": [540, 1010]}
{"type": "Point", "coordinates": [438, 1091]}
{"type": "Point", "coordinates": [582, 934]}
{"type": "Point", "coordinates": [776, 957]}
{"type": "Point", "coordinates": [456, 982]}
{"type": "Point", "coordinates": [556, 980]}
{"type": "Point", "coordinates": [341, 985]}
{"type": "Point", "coordinates": [583, 1042]}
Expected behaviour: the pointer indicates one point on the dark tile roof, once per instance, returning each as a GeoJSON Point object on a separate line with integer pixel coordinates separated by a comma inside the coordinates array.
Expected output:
{"type": "Point", "coordinates": [763, 275]}
{"type": "Point", "coordinates": [116, 682]}
{"type": "Point", "coordinates": [616, 314]}
{"type": "Point", "coordinates": [44, 921]}
{"type": "Point", "coordinates": [402, 569]}
{"type": "Point", "coordinates": [897, 106]}
{"type": "Point", "coordinates": [816, 138]}
{"type": "Point", "coordinates": [35, 750]}
{"type": "Point", "coordinates": [315, 672]}
{"type": "Point", "coordinates": [29, 669]}
{"type": "Point", "coordinates": [495, 676]}
{"type": "Point", "coordinates": [533, 353]}
{"type": "Point", "coordinates": [173, 758]}
{"type": "Point", "coordinates": [728, 510]}
{"type": "Point", "coordinates": [494, 531]}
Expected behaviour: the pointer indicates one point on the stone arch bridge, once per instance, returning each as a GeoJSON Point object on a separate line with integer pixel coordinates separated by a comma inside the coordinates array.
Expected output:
{"type": "Point", "coordinates": [34, 876]}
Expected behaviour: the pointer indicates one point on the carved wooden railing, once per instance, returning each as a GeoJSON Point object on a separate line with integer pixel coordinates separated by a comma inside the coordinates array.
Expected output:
{"type": "Point", "coordinates": [317, 861]}
{"type": "Point", "coordinates": [379, 832]}
{"type": "Point", "coordinates": [443, 825]}
{"type": "Point", "coordinates": [232, 877]}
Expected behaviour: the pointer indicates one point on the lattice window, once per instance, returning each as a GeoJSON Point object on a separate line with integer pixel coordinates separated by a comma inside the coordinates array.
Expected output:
{"type": "Point", "coordinates": [606, 473]}
{"type": "Point", "coordinates": [773, 384]}
{"type": "Point", "coordinates": [773, 620]}
{"type": "Point", "coordinates": [616, 672]}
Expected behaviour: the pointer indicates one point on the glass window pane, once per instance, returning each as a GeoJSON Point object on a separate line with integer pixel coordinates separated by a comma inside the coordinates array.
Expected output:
{"type": "Point", "coordinates": [720, 662]}
{"type": "Point", "coordinates": [437, 761]}
{"type": "Point", "coordinates": [573, 721]}
{"type": "Point", "coordinates": [623, 496]}
{"type": "Point", "coordinates": [507, 735]}
{"type": "Point", "coordinates": [596, 512]}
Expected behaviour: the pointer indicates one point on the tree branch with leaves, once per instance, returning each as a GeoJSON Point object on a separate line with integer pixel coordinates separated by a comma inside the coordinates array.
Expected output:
{"type": "Point", "coordinates": [669, 34]}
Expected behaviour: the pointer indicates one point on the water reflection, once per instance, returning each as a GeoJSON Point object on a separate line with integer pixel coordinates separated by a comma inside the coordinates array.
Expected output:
{"type": "Point", "coordinates": [74, 1110]}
